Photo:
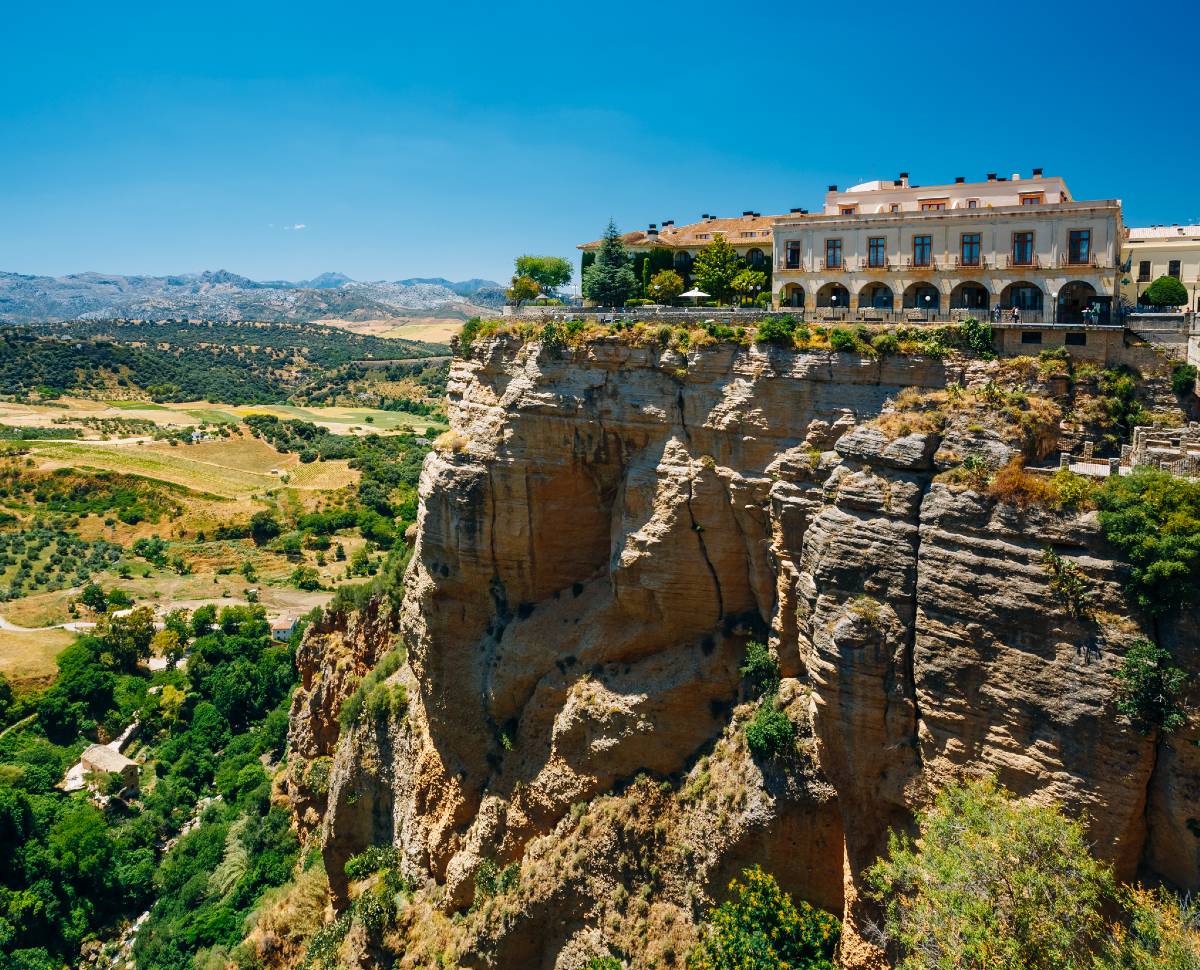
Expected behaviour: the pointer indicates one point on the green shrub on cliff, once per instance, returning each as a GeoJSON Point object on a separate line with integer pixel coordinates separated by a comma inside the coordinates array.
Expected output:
{"type": "Point", "coordinates": [1150, 688]}
{"type": "Point", "coordinates": [759, 670]}
{"type": "Point", "coordinates": [760, 928]}
{"type": "Point", "coordinates": [992, 882]}
{"type": "Point", "coordinates": [1153, 519]}
{"type": "Point", "coordinates": [770, 735]}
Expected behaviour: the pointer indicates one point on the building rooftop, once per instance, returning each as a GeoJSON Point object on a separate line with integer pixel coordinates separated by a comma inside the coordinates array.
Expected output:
{"type": "Point", "coordinates": [1163, 232]}
{"type": "Point", "coordinates": [100, 757]}
{"type": "Point", "coordinates": [746, 229]}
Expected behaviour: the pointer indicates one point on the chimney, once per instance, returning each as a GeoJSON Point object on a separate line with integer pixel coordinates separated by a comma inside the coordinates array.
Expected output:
{"type": "Point", "coordinates": [654, 225]}
{"type": "Point", "coordinates": [833, 188]}
{"type": "Point", "coordinates": [897, 183]}
{"type": "Point", "coordinates": [796, 209]}
{"type": "Point", "coordinates": [704, 216]}
{"type": "Point", "coordinates": [747, 212]}
{"type": "Point", "coordinates": [959, 179]}
{"type": "Point", "coordinates": [1037, 173]}
{"type": "Point", "coordinates": [991, 176]}
{"type": "Point", "coordinates": [1016, 176]}
{"type": "Point", "coordinates": [904, 179]}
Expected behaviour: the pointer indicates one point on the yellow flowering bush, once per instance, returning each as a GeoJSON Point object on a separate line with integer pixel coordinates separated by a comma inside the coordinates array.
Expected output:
{"type": "Point", "coordinates": [760, 928]}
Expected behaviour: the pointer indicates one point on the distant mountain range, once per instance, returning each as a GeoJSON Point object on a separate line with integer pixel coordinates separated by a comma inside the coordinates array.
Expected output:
{"type": "Point", "coordinates": [222, 295]}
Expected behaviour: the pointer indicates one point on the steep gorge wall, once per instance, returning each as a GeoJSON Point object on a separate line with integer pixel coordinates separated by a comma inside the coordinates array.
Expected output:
{"type": "Point", "coordinates": [610, 527]}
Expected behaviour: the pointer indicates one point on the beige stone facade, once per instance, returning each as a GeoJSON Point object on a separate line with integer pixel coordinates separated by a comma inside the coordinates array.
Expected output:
{"type": "Point", "coordinates": [1154, 251]}
{"type": "Point", "coordinates": [962, 249]}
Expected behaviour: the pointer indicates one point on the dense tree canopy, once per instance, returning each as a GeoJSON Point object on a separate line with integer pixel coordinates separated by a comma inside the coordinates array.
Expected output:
{"type": "Point", "coordinates": [1165, 291]}
{"type": "Point", "coordinates": [716, 267]}
{"type": "Point", "coordinates": [548, 272]}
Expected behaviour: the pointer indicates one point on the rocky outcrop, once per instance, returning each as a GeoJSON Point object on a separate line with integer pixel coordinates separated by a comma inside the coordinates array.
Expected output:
{"type": "Point", "coordinates": [608, 526]}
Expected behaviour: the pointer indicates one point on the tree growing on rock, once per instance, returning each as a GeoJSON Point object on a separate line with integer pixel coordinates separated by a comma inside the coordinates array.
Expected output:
{"type": "Point", "coordinates": [992, 882]}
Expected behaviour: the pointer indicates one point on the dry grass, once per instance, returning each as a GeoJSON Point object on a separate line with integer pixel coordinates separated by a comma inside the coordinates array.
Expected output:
{"type": "Point", "coordinates": [27, 659]}
{"type": "Point", "coordinates": [451, 442]}
{"type": "Point", "coordinates": [1016, 486]}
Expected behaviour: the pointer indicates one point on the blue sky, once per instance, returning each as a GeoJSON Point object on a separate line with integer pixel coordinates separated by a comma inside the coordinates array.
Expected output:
{"type": "Point", "coordinates": [444, 139]}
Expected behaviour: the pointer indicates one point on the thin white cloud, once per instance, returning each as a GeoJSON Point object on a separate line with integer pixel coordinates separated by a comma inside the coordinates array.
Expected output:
{"type": "Point", "coordinates": [297, 227]}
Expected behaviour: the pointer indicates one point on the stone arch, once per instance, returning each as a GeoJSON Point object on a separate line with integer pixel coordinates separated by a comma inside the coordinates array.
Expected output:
{"type": "Point", "coordinates": [876, 296]}
{"type": "Point", "coordinates": [1073, 299]}
{"type": "Point", "coordinates": [833, 295]}
{"type": "Point", "coordinates": [683, 262]}
{"type": "Point", "coordinates": [792, 295]}
{"type": "Point", "coordinates": [756, 259]}
{"type": "Point", "coordinates": [1022, 294]}
{"type": "Point", "coordinates": [922, 296]}
{"type": "Point", "coordinates": [970, 295]}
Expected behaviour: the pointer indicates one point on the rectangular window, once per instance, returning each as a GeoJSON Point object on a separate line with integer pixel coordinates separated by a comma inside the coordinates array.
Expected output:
{"type": "Point", "coordinates": [1144, 271]}
{"type": "Point", "coordinates": [1079, 249]}
{"type": "Point", "coordinates": [833, 254]}
{"type": "Point", "coordinates": [972, 203]}
{"type": "Point", "coordinates": [922, 250]}
{"type": "Point", "coordinates": [1076, 339]}
{"type": "Point", "coordinates": [895, 206]}
{"type": "Point", "coordinates": [933, 205]}
{"type": "Point", "coordinates": [1022, 248]}
{"type": "Point", "coordinates": [877, 252]}
{"type": "Point", "coordinates": [793, 255]}
{"type": "Point", "coordinates": [1033, 198]}
{"type": "Point", "coordinates": [1031, 336]}
{"type": "Point", "coordinates": [1173, 268]}
{"type": "Point", "coordinates": [849, 210]}
{"type": "Point", "coordinates": [970, 248]}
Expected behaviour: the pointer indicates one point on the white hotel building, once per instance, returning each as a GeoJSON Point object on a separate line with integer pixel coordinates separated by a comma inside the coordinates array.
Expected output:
{"type": "Point", "coordinates": [889, 248]}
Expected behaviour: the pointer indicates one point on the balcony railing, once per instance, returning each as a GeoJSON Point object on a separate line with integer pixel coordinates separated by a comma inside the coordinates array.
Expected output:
{"type": "Point", "coordinates": [1085, 262]}
{"type": "Point", "coordinates": [1012, 261]}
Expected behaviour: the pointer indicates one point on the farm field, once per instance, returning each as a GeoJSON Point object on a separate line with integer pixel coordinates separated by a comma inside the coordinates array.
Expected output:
{"type": "Point", "coordinates": [176, 466]}
{"type": "Point", "coordinates": [343, 420]}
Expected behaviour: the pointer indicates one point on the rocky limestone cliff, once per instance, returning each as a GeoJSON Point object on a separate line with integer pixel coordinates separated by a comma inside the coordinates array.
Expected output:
{"type": "Point", "coordinates": [605, 528]}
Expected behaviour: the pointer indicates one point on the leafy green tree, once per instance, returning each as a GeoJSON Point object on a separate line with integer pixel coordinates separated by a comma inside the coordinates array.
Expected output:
{"type": "Point", "coordinates": [523, 288]}
{"type": "Point", "coordinates": [263, 527]}
{"type": "Point", "coordinates": [1165, 291]}
{"type": "Point", "coordinates": [126, 639]}
{"type": "Point", "coordinates": [548, 272]}
{"type": "Point", "coordinates": [760, 928]}
{"type": "Point", "coordinates": [610, 280]}
{"type": "Point", "coordinates": [749, 282]}
{"type": "Point", "coordinates": [6, 697]}
{"type": "Point", "coordinates": [93, 598]}
{"type": "Point", "coordinates": [167, 643]}
{"type": "Point", "coordinates": [306, 578]}
{"type": "Point", "coordinates": [665, 285]}
{"type": "Point", "coordinates": [1150, 688]}
{"type": "Point", "coordinates": [992, 882]}
{"type": "Point", "coordinates": [1153, 519]}
{"type": "Point", "coordinates": [716, 267]}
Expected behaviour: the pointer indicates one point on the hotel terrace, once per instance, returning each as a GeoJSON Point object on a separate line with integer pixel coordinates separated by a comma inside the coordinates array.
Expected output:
{"type": "Point", "coordinates": [889, 248]}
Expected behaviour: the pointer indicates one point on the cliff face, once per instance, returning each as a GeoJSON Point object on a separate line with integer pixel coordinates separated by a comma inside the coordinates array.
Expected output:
{"type": "Point", "coordinates": [608, 528]}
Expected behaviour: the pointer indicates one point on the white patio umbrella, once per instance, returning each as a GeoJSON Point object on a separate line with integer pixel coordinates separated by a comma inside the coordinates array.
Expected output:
{"type": "Point", "coordinates": [693, 294]}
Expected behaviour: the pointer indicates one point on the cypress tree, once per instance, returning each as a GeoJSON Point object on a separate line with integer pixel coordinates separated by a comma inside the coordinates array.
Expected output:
{"type": "Point", "coordinates": [610, 280]}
